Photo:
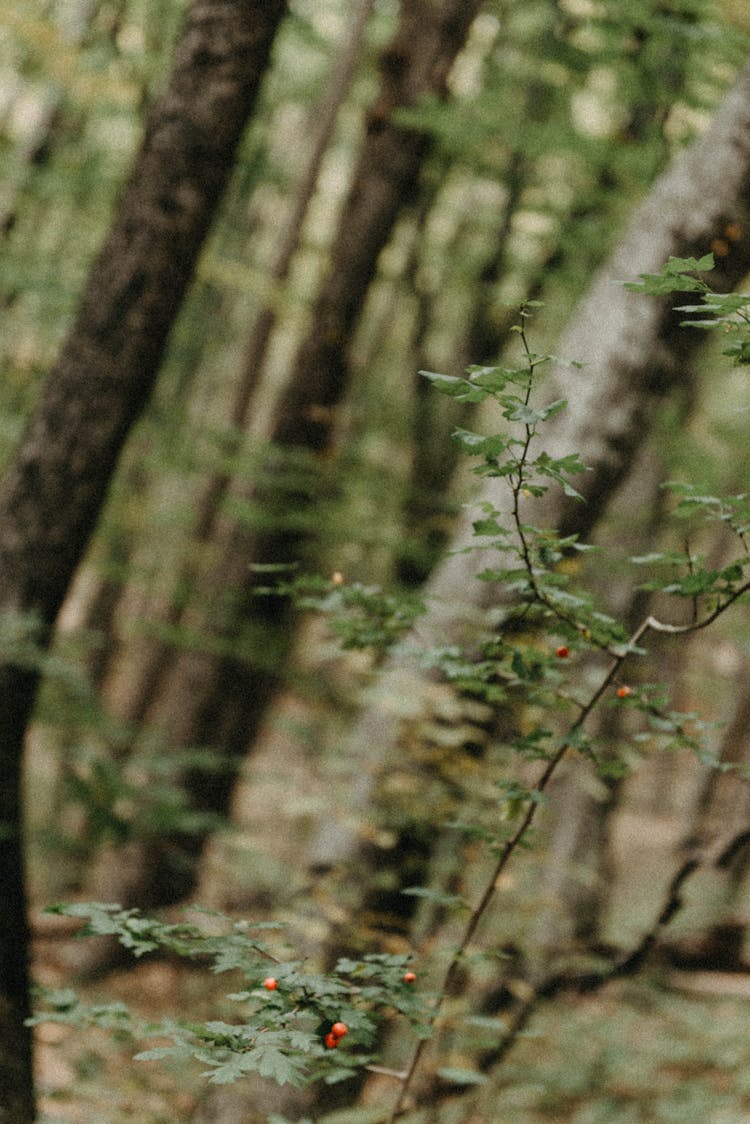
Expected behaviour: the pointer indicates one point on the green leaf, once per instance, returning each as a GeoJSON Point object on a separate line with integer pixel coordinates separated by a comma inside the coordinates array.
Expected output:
{"type": "Point", "coordinates": [496, 379]}
{"type": "Point", "coordinates": [267, 1057]}
{"type": "Point", "coordinates": [739, 351]}
{"type": "Point", "coordinates": [674, 277]}
{"type": "Point", "coordinates": [569, 490]}
{"type": "Point", "coordinates": [690, 265]}
{"type": "Point", "coordinates": [488, 527]}
{"type": "Point", "coordinates": [659, 556]}
{"type": "Point", "coordinates": [274, 1063]}
{"type": "Point", "coordinates": [524, 413]}
{"type": "Point", "coordinates": [478, 445]}
{"type": "Point", "coordinates": [454, 387]}
{"type": "Point", "coordinates": [553, 408]}
{"type": "Point", "coordinates": [613, 768]}
{"type": "Point", "coordinates": [158, 1053]}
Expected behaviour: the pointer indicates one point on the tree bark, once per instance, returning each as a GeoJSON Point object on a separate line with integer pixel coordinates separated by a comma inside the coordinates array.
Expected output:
{"type": "Point", "coordinates": [576, 881]}
{"type": "Point", "coordinates": [720, 833]}
{"type": "Point", "coordinates": [57, 481]}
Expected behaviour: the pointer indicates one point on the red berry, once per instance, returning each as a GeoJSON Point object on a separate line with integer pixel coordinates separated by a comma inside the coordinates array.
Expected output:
{"type": "Point", "coordinates": [410, 977]}
{"type": "Point", "coordinates": [339, 1030]}
{"type": "Point", "coordinates": [270, 983]}
{"type": "Point", "coordinates": [562, 652]}
{"type": "Point", "coordinates": [331, 1040]}
{"type": "Point", "coordinates": [623, 692]}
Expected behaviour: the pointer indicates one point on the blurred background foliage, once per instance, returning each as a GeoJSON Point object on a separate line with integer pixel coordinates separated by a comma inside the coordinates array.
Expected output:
{"type": "Point", "coordinates": [559, 115]}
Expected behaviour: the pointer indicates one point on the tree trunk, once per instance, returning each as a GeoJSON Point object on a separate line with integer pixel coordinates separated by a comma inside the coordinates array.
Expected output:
{"type": "Point", "coordinates": [57, 481]}
{"type": "Point", "coordinates": [415, 65]}
{"type": "Point", "coordinates": [577, 879]}
{"type": "Point", "coordinates": [206, 697]}
{"type": "Point", "coordinates": [631, 347]}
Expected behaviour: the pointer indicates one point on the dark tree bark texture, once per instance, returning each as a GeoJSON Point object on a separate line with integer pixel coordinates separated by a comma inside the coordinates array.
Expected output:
{"type": "Point", "coordinates": [58, 479]}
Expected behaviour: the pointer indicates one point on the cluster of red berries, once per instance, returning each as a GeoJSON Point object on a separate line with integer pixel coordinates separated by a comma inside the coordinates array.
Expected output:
{"type": "Point", "coordinates": [623, 692]}
{"type": "Point", "coordinates": [338, 1029]}
{"type": "Point", "coordinates": [335, 1034]}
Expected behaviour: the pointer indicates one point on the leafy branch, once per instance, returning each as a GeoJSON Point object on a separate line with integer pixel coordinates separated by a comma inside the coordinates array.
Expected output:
{"type": "Point", "coordinates": [725, 584]}
{"type": "Point", "coordinates": [285, 1010]}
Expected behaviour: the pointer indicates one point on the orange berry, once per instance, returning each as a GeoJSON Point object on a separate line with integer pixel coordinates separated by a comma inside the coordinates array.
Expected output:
{"type": "Point", "coordinates": [623, 692]}
{"type": "Point", "coordinates": [331, 1040]}
{"type": "Point", "coordinates": [337, 578]}
{"type": "Point", "coordinates": [339, 1030]}
{"type": "Point", "coordinates": [270, 983]}
{"type": "Point", "coordinates": [562, 652]}
{"type": "Point", "coordinates": [409, 977]}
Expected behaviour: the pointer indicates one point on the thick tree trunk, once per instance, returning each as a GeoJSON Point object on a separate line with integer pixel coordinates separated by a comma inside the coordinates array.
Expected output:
{"type": "Point", "coordinates": [635, 355]}
{"type": "Point", "coordinates": [206, 697]}
{"type": "Point", "coordinates": [57, 481]}
{"type": "Point", "coordinates": [576, 883]}
{"type": "Point", "coordinates": [16, 1080]}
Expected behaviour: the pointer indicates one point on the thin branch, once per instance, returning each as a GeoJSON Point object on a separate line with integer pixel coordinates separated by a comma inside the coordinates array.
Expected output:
{"type": "Point", "coordinates": [509, 848]}
{"type": "Point", "coordinates": [681, 629]}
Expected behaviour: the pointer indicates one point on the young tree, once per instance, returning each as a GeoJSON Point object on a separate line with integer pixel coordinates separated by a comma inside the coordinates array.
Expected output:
{"type": "Point", "coordinates": [56, 483]}
{"type": "Point", "coordinates": [634, 355]}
